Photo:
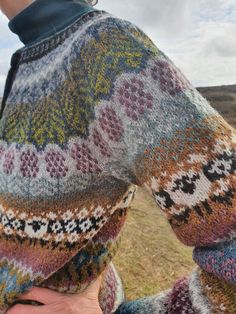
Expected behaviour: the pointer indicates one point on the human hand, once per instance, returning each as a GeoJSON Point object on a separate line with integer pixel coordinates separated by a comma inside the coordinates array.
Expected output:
{"type": "Point", "coordinates": [85, 302]}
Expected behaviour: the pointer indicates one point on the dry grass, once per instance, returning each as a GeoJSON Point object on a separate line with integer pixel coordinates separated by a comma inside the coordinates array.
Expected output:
{"type": "Point", "coordinates": [150, 257]}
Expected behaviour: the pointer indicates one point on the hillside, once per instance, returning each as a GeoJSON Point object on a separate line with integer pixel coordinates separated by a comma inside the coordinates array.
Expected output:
{"type": "Point", "coordinates": [223, 99]}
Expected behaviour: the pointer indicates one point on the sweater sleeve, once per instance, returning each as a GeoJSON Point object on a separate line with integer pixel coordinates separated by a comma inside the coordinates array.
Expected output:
{"type": "Point", "coordinates": [171, 140]}
{"type": "Point", "coordinates": [168, 137]}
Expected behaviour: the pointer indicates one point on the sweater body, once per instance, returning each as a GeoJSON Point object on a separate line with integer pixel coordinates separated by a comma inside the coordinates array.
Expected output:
{"type": "Point", "coordinates": [63, 204]}
{"type": "Point", "coordinates": [93, 112]}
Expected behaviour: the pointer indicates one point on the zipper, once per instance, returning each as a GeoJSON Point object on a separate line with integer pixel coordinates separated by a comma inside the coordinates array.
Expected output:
{"type": "Point", "coordinates": [9, 80]}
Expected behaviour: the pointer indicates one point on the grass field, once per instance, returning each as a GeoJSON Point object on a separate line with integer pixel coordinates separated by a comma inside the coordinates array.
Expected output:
{"type": "Point", "coordinates": [150, 257]}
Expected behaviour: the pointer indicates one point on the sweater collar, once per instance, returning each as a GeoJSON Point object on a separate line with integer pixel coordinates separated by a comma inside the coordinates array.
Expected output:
{"type": "Point", "coordinates": [43, 18]}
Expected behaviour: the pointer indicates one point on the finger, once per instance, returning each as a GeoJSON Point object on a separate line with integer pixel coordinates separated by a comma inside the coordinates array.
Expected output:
{"type": "Point", "coordinates": [43, 295]}
{"type": "Point", "coordinates": [27, 309]}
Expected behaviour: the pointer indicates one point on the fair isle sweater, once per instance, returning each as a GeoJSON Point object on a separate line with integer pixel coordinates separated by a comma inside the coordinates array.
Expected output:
{"type": "Point", "coordinates": [90, 113]}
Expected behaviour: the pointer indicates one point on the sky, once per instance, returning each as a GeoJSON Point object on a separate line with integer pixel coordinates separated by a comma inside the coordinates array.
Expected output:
{"type": "Point", "coordinates": [198, 35]}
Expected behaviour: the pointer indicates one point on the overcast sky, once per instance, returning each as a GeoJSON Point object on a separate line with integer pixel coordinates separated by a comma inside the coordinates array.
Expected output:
{"type": "Point", "coordinates": [198, 35]}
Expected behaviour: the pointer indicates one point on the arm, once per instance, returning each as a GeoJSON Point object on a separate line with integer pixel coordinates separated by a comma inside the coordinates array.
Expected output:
{"type": "Point", "coordinates": [172, 141]}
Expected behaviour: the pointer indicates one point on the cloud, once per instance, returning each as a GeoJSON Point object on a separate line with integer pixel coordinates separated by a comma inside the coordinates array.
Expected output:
{"type": "Point", "coordinates": [8, 44]}
{"type": "Point", "coordinates": [162, 17]}
{"type": "Point", "coordinates": [208, 54]}
{"type": "Point", "coordinates": [7, 38]}
{"type": "Point", "coordinates": [221, 42]}
{"type": "Point", "coordinates": [5, 56]}
{"type": "Point", "coordinates": [199, 36]}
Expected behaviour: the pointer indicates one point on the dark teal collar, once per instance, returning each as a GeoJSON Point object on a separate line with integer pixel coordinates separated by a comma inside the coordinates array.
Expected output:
{"type": "Point", "coordinates": [43, 18]}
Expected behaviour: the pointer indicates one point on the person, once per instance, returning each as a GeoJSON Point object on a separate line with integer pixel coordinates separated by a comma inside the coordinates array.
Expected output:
{"type": "Point", "coordinates": [92, 110]}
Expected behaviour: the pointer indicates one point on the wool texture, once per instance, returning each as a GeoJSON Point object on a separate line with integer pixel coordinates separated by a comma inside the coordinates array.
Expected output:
{"type": "Point", "coordinates": [94, 112]}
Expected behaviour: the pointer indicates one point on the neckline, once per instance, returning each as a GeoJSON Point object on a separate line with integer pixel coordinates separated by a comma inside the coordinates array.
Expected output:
{"type": "Point", "coordinates": [42, 47]}
{"type": "Point", "coordinates": [41, 18]}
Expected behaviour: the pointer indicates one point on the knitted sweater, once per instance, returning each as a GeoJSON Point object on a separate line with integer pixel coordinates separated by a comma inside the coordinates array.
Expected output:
{"type": "Point", "coordinates": [93, 112]}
